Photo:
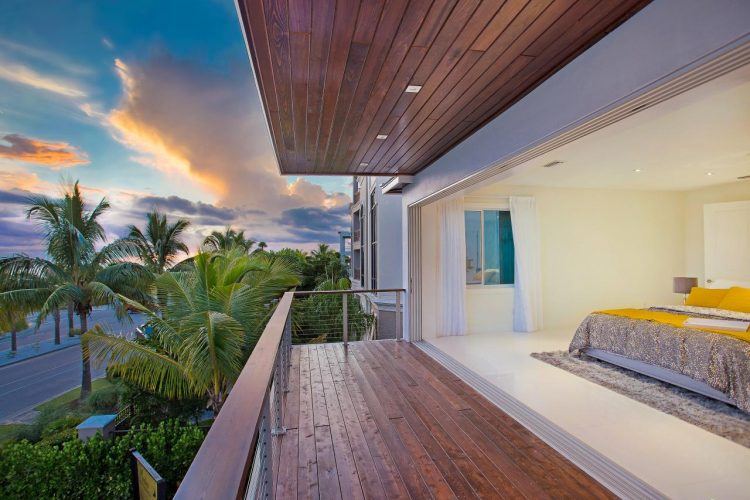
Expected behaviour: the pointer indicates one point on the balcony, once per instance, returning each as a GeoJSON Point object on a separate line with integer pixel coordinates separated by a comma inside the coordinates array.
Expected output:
{"type": "Point", "coordinates": [367, 419]}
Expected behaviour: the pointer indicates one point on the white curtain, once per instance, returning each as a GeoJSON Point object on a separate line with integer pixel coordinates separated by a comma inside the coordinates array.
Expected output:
{"type": "Point", "coordinates": [451, 272]}
{"type": "Point", "coordinates": [527, 298]}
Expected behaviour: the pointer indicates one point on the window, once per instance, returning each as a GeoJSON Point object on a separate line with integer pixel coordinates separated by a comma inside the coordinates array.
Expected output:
{"type": "Point", "coordinates": [490, 255]}
{"type": "Point", "coordinates": [373, 241]}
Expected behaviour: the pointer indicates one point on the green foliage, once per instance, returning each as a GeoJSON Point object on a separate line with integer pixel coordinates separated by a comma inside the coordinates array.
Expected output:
{"type": "Point", "coordinates": [321, 265]}
{"type": "Point", "coordinates": [212, 317]}
{"type": "Point", "coordinates": [230, 239]}
{"type": "Point", "coordinates": [80, 272]}
{"type": "Point", "coordinates": [106, 399]}
{"type": "Point", "coordinates": [96, 468]}
{"type": "Point", "coordinates": [150, 408]}
{"type": "Point", "coordinates": [12, 319]}
{"type": "Point", "coordinates": [160, 242]}
{"type": "Point", "coordinates": [318, 318]}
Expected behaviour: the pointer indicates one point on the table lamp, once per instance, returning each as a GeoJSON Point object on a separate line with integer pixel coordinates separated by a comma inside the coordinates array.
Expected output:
{"type": "Point", "coordinates": [683, 285]}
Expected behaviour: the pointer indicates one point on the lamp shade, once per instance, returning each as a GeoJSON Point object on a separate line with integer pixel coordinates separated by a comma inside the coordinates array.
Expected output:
{"type": "Point", "coordinates": [682, 284]}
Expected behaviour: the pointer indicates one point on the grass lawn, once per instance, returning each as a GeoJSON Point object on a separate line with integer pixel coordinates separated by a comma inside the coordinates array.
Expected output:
{"type": "Point", "coordinates": [72, 395]}
{"type": "Point", "coordinates": [65, 403]}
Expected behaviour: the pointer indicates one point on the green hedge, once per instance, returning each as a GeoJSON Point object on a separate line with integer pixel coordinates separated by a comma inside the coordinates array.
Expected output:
{"type": "Point", "coordinates": [96, 468]}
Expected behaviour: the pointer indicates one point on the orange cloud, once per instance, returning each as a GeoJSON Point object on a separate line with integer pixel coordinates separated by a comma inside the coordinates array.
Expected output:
{"type": "Point", "coordinates": [209, 128]}
{"type": "Point", "coordinates": [51, 154]}
{"type": "Point", "coordinates": [135, 127]}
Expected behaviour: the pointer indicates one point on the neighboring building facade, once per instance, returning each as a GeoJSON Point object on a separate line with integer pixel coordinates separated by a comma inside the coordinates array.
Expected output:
{"type": "Point", "coordinates": [376, 247]}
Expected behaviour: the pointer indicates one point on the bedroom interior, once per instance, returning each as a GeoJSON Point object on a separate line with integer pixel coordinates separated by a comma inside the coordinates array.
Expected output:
{"type": "Point", "coordinates": [620, 215]}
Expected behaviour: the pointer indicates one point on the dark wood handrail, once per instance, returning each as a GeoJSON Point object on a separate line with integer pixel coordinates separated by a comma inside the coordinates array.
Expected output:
{"type": "Point", "coordinates": [222, 465]}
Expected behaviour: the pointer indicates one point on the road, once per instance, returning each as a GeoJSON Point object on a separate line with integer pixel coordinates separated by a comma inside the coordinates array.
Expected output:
{"type": "Point", "coordinates": [105, 316]}
{"type": "Point", "coordinates": [26, 384]}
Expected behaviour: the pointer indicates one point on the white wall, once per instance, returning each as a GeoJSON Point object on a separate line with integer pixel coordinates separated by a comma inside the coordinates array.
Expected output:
{"type": "Point", "coordinates": [600, 249]}
{"type": "Point", "coordinates": [694, 201]}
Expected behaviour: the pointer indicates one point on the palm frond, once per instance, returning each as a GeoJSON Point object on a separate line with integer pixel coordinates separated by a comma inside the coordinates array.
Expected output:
{"type": "Point", "coordinates": [141, 365]}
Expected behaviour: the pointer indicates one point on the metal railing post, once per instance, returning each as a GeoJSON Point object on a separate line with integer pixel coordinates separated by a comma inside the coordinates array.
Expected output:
{"type": "Point", "coordinates": [266, 486]}
{"type": "Point", "coordinates": [286, 348]}
{"type": "Point", "coordinates": [345, 312]}
{"type": "Point", "coordinates": [399, 330]}
{"type": "Point", "coordinates": [278, 405]}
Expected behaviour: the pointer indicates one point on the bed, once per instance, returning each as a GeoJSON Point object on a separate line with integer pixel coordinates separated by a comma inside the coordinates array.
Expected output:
{"type": "Point", "coordinates": [655, 342]}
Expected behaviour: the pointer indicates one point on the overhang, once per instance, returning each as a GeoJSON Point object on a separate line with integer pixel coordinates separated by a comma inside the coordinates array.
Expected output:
{"type": "Point", "coordinates": [386, 87]}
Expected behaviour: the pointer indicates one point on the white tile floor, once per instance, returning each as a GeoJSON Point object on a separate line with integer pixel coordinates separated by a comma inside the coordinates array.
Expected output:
{"type": "Point", "coordinates": [679, 459]}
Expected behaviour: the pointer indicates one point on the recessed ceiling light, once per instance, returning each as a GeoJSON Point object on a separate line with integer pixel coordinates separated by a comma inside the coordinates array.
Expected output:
{"type": "Point", "coordinates": [413, 89]}
{"type": "Point", "coordinates": [363, 164]}
{"type": "Point", "coordinates": [637, 170]}
{"type": "Point", "coordinates": [381, 137]}
{"type": "Point", "coordinates": [709, 173]}
{"type": "Point", "coordinates": [552, 164]}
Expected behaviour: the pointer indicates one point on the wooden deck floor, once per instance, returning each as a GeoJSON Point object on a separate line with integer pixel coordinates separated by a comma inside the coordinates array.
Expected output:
{"type": "Point", "coordinates": [386, 421]}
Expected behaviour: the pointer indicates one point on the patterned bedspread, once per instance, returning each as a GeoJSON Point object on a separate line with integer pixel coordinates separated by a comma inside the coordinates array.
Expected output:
{"type": "Point", "coordinates": [720, 361]}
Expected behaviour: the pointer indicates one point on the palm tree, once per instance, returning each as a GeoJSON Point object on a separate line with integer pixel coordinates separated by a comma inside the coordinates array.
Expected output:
{"type": "Point", "coordinates": [214, 314]}
{"type": "Point", "coordinates": [12, 320]}
{"type": "Point", "coordinates": [323, 264]}
{"type": "Point", "coordinates": [56, 315]}
{"type": "Point", "coordinates": [161, 242]}
{"type": "Point", "coordinates": [77, 274]}
{"type": "Point", "coordinates": [103, 280]}
{"type": "Point", "coordinates": [218, 241]}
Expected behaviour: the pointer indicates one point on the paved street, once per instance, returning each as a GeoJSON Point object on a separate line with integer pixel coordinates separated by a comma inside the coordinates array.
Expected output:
{"type": "Point", "coordinates": [28, 383]}
{"type": "Point", "coordinates": [105, 317]}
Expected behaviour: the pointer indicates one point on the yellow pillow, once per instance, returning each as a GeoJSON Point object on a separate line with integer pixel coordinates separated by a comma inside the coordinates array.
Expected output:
{"type": "Point", "coordinates": [706, 297]}
{"type": "Point", "coordinates": [737, 299]}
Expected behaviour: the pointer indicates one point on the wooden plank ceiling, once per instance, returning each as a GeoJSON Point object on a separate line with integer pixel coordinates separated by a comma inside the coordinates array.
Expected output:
{"type": "Point", "coordinates": [333, 74]}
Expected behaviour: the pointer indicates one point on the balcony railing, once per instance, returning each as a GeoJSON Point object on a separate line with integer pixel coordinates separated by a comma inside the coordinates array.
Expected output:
{"type": "Point", "coordinates": [237, 456]}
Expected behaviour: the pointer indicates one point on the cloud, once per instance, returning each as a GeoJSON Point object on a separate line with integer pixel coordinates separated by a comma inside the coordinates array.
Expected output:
{"type": "Point", "coordinates": [24, 75]}
{"type": "Point", "coordinates": [315, 223]}
{"type": "Point", "coordinates": [108, 43]}
{"type": "Point", "coordinates": [183, 118]}
{"type": "Point", "coordinates": [47, 57]}
{"type": "Point", "coordinates": [20, 237]}
{"type": "Point", "coordinates": [51, 154]}
{"type": "Point", "coordinates": [14, 197]}
{"type": "Point", "coordinates": [187, 207]}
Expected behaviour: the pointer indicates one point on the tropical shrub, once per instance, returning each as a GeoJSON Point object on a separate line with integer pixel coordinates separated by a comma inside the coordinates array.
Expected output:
{"type": "Point", "coordinates": [96, 468]}
{"type": "Point", "coordinates": [319, 318]}
{"type": "Point", "coordinates": [212, 317]}
{"type": "Point", "coordinates": [150, 408]}
{"type": "Point", "coordinates": [105, 399]}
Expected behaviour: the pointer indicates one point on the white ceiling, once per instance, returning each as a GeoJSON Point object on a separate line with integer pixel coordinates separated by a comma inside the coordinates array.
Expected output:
{"type": "Point", "coordinates": [674, 145]}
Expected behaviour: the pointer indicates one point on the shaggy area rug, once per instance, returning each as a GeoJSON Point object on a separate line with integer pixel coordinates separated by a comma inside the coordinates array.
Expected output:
{"type": "Point", "coordinates": [714, 416]}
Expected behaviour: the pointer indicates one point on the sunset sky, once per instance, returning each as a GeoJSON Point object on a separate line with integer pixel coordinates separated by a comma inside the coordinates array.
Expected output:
{"type": "Point", "coordinates": [151, 104]}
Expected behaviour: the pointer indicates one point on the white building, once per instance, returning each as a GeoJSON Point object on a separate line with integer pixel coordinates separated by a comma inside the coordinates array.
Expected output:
{"type": "Point", "coordinates": [376, 247]}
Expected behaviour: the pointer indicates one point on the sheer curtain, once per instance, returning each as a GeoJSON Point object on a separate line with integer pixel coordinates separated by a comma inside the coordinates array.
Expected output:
{"type": "Point", "coordinates": [527, 297]}
{"type": "Point", "coordinates": [451, 272]}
